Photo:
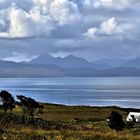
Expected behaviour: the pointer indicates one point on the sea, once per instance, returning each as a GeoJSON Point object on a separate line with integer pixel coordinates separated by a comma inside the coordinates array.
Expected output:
{"type": "Point", "coordinates": [83, 91]}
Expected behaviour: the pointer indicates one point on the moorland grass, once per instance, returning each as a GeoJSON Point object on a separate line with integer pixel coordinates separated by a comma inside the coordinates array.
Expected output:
{"type": "Point", "coordinates": [79, 123]}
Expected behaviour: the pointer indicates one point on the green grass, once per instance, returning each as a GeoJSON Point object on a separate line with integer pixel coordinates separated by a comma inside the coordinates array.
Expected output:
{"type": "Point", "coordinates": [83, 123]}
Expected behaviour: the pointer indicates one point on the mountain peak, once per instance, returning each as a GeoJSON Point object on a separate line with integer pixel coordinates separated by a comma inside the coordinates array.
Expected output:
{"type": "Point", "coordinates": [71, 56]}
{"type": "Point", "coordinates": [42, 59]}
{"type": "Point", "coordinates": [76, 58]}
{"type": "Point", "coordinates": [69, 61]}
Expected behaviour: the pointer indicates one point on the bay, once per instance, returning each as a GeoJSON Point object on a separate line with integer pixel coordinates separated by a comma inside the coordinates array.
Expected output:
{"type": "Point", "coordinates": [92, 91]}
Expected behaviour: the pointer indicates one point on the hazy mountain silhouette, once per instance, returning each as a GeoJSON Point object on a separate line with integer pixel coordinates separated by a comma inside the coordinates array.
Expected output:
{"type": "Point", "coordinates": [70, 61]}
{"type": "Point", "coordinates": [13, 69]}
{"type": "Point", "coordinates": [79, 67]}
{"type": "Point", "coordinates": [112, 62]}
{"type": "Point", "coordinates": [135, 63]}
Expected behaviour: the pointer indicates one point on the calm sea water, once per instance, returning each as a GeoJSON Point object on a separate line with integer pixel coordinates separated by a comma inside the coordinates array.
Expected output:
{"type": "Point", "coordinates": [96, 91]}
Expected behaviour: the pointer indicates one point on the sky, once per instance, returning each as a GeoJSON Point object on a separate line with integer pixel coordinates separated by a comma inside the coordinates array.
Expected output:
{"type": "Point", "coordinates": [92, 29]}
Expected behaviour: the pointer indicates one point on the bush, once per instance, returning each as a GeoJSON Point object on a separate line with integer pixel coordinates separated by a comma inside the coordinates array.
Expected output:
{"type": "Point", "coordinates": [7, 100]}
{"type": "Point", "coordinates": [29, 105]}
{"type": "Point", "coordinates": [115, 121]}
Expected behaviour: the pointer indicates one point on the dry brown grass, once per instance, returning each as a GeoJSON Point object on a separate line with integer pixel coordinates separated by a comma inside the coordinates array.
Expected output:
{"type": "Point", "coordinates": [87, 123]}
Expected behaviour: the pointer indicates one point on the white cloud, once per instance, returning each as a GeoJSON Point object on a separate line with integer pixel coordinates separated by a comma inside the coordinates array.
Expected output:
{"type": "Point", "coordinates": [19, 23]}
{"type": "Point", "coordinates": [61, 11]}
{"type": "Point", "coordinates": [60, 54]}
{"type": "Point", "coordinates": [18, 57]}
{"type": "Point", "coordinates": [41, 18]}
{"type": "Point", "coordinates": [109, 27]}
{"type": "Point", "coordinates": [117, 4]}
{"type": "Point", "coordinates": [91, 32]}
{"type": "Point", "coordinates": [69, 26]}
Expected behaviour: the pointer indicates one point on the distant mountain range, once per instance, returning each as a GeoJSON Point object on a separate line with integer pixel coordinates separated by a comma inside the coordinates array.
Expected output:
{"type": "Point", "coordinates": [70, 61]}
{"type": "Point", "coordinates": [135, 63]}
{"type": "Point", "coordinates": [112, 62]}
{"type": "Point", "coordinates": [49, 66]}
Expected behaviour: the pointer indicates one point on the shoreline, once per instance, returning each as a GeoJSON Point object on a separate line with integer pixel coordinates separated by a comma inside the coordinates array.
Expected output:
{"type": "Point", "coordinates": [88, 106]}
{"type": "Point", "coordinates": [91, 106]}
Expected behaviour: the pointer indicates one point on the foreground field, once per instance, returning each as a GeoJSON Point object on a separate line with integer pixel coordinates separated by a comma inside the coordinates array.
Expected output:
{"type": "Point", "coordinates": [60, 122]}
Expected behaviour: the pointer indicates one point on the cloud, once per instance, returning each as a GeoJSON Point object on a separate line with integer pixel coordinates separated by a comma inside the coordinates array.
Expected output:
{"type": "Point", "coordinates": [17, 57]}
{"type": "Point", "coordinates": [91, 32]}
{"type": "Point", "coordinates": [109, 27]}
{"type": "Point", "coordinates": [117, 4]}
{"type": "Point", "coordinates": [39, 20]}
{"type": "Point", "coordinates": [20, 23]}
{"type": "Point", "coordinates": [61, 11]}
{"type": "Point", "coordinates": [91, 29]}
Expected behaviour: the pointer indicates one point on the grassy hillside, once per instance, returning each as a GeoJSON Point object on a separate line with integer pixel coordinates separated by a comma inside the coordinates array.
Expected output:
{"type": "Point", "coordinates": [65, 123]}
